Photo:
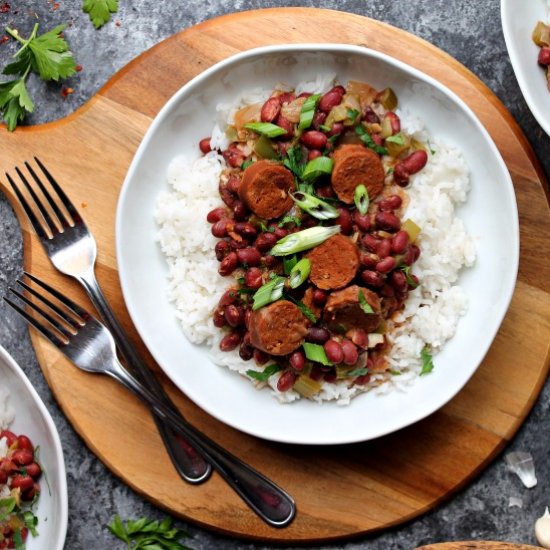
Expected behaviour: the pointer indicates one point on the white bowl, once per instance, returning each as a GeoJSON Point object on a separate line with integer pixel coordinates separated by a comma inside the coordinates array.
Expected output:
{"type": "Point", "coordinates": [490, 216]}
{"type": "Point", "coordinates": [33, 420]}
{"type": "Point", "coordinates": [518, 21]}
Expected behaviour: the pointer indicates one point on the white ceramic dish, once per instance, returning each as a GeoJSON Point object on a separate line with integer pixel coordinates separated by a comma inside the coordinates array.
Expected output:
{"type": "Point", "coordinates": [187, 117]}
{"type": "Point", "coordinates": [33, 419]}
{"type": "Point", "coordinates": [518, 21]}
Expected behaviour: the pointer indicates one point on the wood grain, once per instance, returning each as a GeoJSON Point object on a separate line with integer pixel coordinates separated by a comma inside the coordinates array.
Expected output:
{"type": "Point", "coordinates": [340, 491]}
{"type": "Point", "coordinates": [478, 545]}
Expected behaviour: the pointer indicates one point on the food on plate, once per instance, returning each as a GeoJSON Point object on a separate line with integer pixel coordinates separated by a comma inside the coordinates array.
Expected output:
{"type": "Point", "coordinates": [19, 488]}
{"type": "Point", "coordinates": [329, 261]}
{"type": "Point", "coordinates": [541, 37]}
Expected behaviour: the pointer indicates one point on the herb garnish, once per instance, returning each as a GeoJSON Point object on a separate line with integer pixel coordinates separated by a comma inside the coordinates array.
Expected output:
{"type": "Point", "coordinates": [397, 139]}
{"type": "Point", "coordinates": [145, 534]}
{"type": "Point", "coordinates": [410, 281]}
{"type": "Point", "coordinates": [290, 219]}
{"type": "Point", "coordinates": [358, 372]}
{"type": "Point", "coordinates": [264, 375]}
{"type": "Point", "coordinates": [99, 10]}
{"type": "Point", "coordinates": [369, 142]}
{"type": "Point", "coordinates": [365, 306]}
{"type": "Point", "coordinates": [427, 362]}
{"type": "Point", "coordinates": [306, 312]}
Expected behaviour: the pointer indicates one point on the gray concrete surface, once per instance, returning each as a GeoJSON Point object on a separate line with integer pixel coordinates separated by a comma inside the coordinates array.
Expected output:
{"type": "Point", "coordinates": [468, 30]}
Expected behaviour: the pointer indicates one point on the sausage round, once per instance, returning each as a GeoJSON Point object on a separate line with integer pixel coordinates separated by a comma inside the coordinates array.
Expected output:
{"type": "Point", "coordinates": [265, 189]}
{"type": "Point", "coordinates": [278, 328]}
{"type": "Point", "coordinates": [343, 310]}
{"type": "Point", "coordinates": [334, 263]}
{"type": "Point", "coordinates": [355, 165]}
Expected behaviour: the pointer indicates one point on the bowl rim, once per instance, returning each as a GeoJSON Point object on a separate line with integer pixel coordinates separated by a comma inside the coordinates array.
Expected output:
{"type": "Point", "coordinates": [61, 534]}
{"type": "Point", "coordinates": [335, 48]}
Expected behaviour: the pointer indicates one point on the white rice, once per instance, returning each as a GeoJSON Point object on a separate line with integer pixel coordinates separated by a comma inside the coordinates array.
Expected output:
{"type": "Point", "coordinates": [432, 311]}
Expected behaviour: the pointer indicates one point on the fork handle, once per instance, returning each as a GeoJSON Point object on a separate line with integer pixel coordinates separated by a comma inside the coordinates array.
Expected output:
{"type": "Point", "coordinates": [269, 501]}
{"type": "Point", "coordinates": [189, 464]}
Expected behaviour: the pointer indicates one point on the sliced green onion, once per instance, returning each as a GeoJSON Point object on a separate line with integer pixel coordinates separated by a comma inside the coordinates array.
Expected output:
{"type": "Point", "coordinates": [396, 138]}
{"type": "Point", "coordinates": [368, 141]}
{"type": "Point", "coordinates": [315, 206]}
{"type": "Point", "coordinates": [315, 352]}
{"type": "Point", "coordinates": [308, 110]}
{"type": "Point", "coordinates": [303, 240]}
{"type": "Point", "coordinates": [267, 129]}
{"type": "Point", "coordinates": [365, 306]}
{"type": "Point", "coordinates": [320, 166]}
{"type": "Point", "coordinates": [289, 263]}
{"type": "Point", "coordinates": [361, 199]}
{"type": "Point", "coordinates": [270, 292]}
{"type": "Point", "coordinates": [264, 375]}
{"type": "Point", "coordinates": [299, 273]}
{"type": "Point", "coordinates": [427, 362]}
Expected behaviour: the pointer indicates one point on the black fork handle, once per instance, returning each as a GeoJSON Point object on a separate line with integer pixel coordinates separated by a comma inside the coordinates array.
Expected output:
{"type": "Point", "coordinates": [188, 462]}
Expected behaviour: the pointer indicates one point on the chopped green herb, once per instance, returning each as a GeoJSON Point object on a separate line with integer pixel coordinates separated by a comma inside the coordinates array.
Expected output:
{"type": "Point", "coordinates": [358, 372]}
{"type": "Point", "coordinates": [361, 199]}
{"type": "Point", "coordinates": [315, 352]}
{"type": "Point", "coordinates": [365, 306]}
{"type": "Point", "coordinates": [99, 10]}
{"type": "Point", "coordinates": [397, 139]}
{"type": "Point", "coordinates": [352, 114]}
{"type": "Point", "coordinates": [410, 281]}
{"type": "Point", "coordinates": [427, 362]}
{"type": "Point", "coordinates": [390, 171]}
{"type": "Point", "coordinates": [290, 219]}
{"type": "Point", "coordinates": [18, 540]}
{"type": "Point", "coordinates": [324, 128]}
{"type": "Point", "coordinates": [293, 161]}
{"type": "Point", "coordinates": [266, 229]}
{"type": "Point", "coordinates": [267, 129]}
{"type": "Point", "coordinates": [303, 308]}
{"type": "Point", "coordinates": [246, 164]}
{"type": "Point", "coordinates": [369, 142]}
{"type": "Point", "coordinates": [264, 375]}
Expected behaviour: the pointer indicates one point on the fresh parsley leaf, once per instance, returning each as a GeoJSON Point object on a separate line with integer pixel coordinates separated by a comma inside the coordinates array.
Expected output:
{"type": "Point", "coordinates": [15, 102]}
{"type": "Point", "coordinates": [358, 372]}
{"type": "Point", "coordinates": [293, 161]}
{"type": "Point", "coordinates": [145, 534]}
{"type": "Point", "coordinates": [306, 312]}
{"type": "Point", "coordinates": [427, 362]}
{"type": "Point", "coordinates": [18, 540]}
{"type": "Point", "coordinates": [369, 142]}
{"type": "Point", "coordinates": [365, 306]}
{"type": "Point", "coordinates": [290, 219]}
{"type": "Point", "coordinates": [352, 114]}
{"type": "Point", "coordinates": [31, 521]}
{"type": "Point", "coordinates": [264, 375]}
{"type": "Point", "coordinates": [99, 10]}
{"type": "Point", "coordinates": [246, 164]}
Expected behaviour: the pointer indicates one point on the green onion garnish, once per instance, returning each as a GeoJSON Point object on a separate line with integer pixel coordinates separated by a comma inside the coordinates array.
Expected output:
{"type": "Point", "coordinates": [365, 306]}
{"type": "Point", "coordinates": [368, 141]}
{"type": "Point", "coordinates": [299, 273]}
{"type": "Point", "coordinates": [315, 206]}
{"type": "Point", "coordinates": [396, 138]}
{"type": "Point", "coordinates": [303, 240]}
{"type": "Point", "coordinates": [315, 352]}
{"type": "Point", "coordinates": [308, 110]}
{"type": "Point", "coordinates": [289, 263]}
{"type": "Point", "coordinates": [410, 281]}
{"type": "Point", "coordinates": [358, 372]}
{"type": "Point", "coordinates": [320, 166]}
{"type": "Point", "coordinates": [264, 375]}
{"type": "Point", "coordinates": [267, 129]}
{"type": "Point", "coordinates": [427, 362]}
{"type": "Point", "coordinates": [270, 292]}
{"type": "Point", "coordinates": [361, 199]}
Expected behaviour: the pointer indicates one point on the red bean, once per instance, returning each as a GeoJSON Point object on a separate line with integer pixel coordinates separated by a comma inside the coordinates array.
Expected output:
{"type": "Point", "coordinates": [377, 138]}
{"type": "Point", "coordinates": [230, 341]}
{"type": "Point", "coordinates": [360, 337]}
{"type": "Point", "coordinates": [372, 278]}
{"type": "Point", "coordinates": [370, 116]}
{"type": "Point", "coordinates": [318, 119]}
{"type": "Point", "coordinates": [415, 282]}
{"type": "Point", "coordinates": [280, 232]}
{"type": "Point", "coordinates": [394, 121]}
{"type": "Point", "coordinates": [330, 376]}
{"type": "Point", "coordinates": [387, 221]}
{"type": "Point", "coordinates": [265, 241]}
{"type": "Point", "coordinates": [369, 260]}
{"type": "Point", "coordinates": [219, 317]}
{"type": "Point", "coordinates": [228, 297]}
{"type": "Point", "coordinates": [246, 230]}
{"type": "Point", "coordinates": [33, 470]}
{"type": "Point", "coordinates": [286, 97]}
{"type": "Point", "coordinates": [297, 360]}
{"type": "Point", "coordinates": [400, 175]}
{"type": "Point", "coordinates": [7, 465]}
{"type": "Point", "coordinates": [22, 457]}
{"type": "Point", "coordinates": [370, 242]}
{"type": "Point", "coordinates": [284, 123]}
{"type": "Point", "coordinates": [336, 129]}
{"type": "Point", "coordinates": [325, 191]}
{"type": "Point", "coordinates": [313, 139]}
{"type": "Point", "coordinates": [228, 264]}
{"type": "Point", "coordinates": [240, 212]}
{"type": "Point", "coordinates": [286, 381]}
{"type": "Point", "coordinates": [219, 229]}
{"type": "Point", "coordinates": [246, 351]}
{"type": "Point", "coordinates": [22, 482]}
{"type": "Point", "coordinates": [270, 109]}
{"type": "Point", "coordinates": [23, 442]}
{"type": "Point", "coordinates": [313, 154]}
{"type": "Point", "coordinates": [10, 437]}
{"type": "Point", "coordinates": [30, 494]}
{"type": "Point", "coordinates": [544, 56]}
{"type": "Point", "coordinates": [363, 379]}
{"type": "Point", "coordinates": [399, 242]}
{"type": "Point", "coordinates": [317, 335]}
{"type": "Point", "coordinates": [221, 250]}
{"type": "Point", "coordinates": [233, 156]}
{"type": "Point", "coordinates": [334, 351]}
{"type": "Point", "coordinates": [319, 297]}
{"type": "Point", "coordinates": [387, 291]}
{"type": "Point", "coordinates": [393, 202]}
{"type": "Point", "coordinates": [408, 256]}
{"type": "Point", "coordinates": [386, 265]}
{"type": "Point", "coordinates": [204, 145]}
{"type": "Point", "coordinates": [332, 98]}
{"type": "Point", "coordinates": [250, 256]}
{"type": "Point", "coordinates": [253, 278]}
{"type": "Point", "coordinates": [270, 261]}
{"type": "Point", "coordinates": [233, 183]}
{"type": "Point", "coordinates": [399, 280]}
{"type": "Point", "coordinates": [350, 352]}
{"type": "Point", "coordinates": [415, 161]}
{"type": "Point", "coordinates": [344, 220]}
{"type": "Point", "coordinates": [362, 221]}
{"type": "Point", "coordinates": [216, 214]}
{"type": "Point", "coordinates": [416, 252]}
{"type": "Point", "coordinates": [260, 357]}
{"type": "Point", "coordinates": [384, 248]}
{"type": "Point", "coordinates": [234, 315]}
{"type": "Point", "coordinates": [3, 477]}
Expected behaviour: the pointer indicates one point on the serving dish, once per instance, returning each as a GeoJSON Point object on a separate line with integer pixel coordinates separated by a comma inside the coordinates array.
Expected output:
{"type": "Point", "coordinates": [187, 117]}
{"type": "Point", "coordinates": [518, 21]}
{"type": "Point", "coordinates": [31, 418]}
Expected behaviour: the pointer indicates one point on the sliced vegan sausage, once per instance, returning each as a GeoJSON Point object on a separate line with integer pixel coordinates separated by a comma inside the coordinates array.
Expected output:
{"type": "Point", "coordinates": [344, 311]}
{"type": "Point", "coordinates": [334, 263]}
{"type": "Point", "coordinates": [265, 189]}
{"type": "Point", "coordinates": [354, 165]}
{"type": "Point", "coordinates": [278, 328]}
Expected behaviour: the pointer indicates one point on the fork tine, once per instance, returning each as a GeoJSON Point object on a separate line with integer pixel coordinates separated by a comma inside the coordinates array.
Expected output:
{"type": "Point", "coordinates": [37, 225]}
{"type": "Point", "coordinates": [64, 199]}
{"type": "Point", "coordinates": [58, 212]}
{"type": "Point", "coordinates": [31, 320]}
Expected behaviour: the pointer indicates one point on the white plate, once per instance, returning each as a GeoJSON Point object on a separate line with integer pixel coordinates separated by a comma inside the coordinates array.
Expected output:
{"type": "Point", "coordinates": [33, 420]}
{"type": "Point", "coordinates": [519, 18]}
{"type": "Point", "coordinates": [490, 216]}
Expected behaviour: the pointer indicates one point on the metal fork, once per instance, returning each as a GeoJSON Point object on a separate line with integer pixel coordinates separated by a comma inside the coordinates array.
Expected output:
{"type": "Point", "coordinates": [90, 346]}
{"type": "Point", "coordinates": [72, 250]}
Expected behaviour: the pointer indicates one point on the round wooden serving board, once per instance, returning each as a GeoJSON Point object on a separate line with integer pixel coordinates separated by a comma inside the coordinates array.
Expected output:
{"type": "Point", "coordinates": [478, 545]}
{"type": "Point", "coordinates": [343, 490]}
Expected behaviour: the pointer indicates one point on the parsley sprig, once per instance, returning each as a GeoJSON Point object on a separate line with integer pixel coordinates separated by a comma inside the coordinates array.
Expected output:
{"type": "Point", "coordinates": [145, 534]}
{"type": "Point", "coordinates": [99, 11]}
{"type": "Point", "coordinates": [47, 55]}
